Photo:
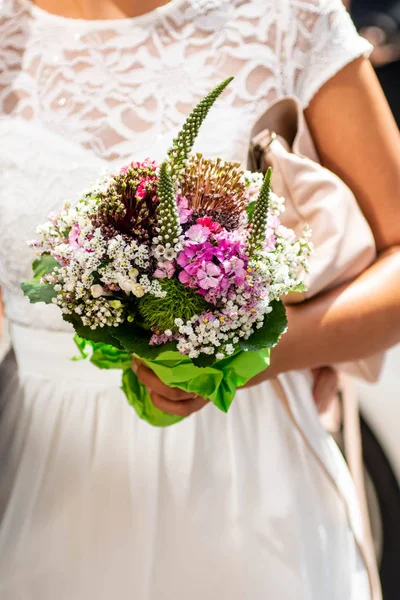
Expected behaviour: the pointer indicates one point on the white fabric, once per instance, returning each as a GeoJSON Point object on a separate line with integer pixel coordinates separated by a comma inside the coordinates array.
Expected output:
{"type": "Point", "coordinates": [96, 504]}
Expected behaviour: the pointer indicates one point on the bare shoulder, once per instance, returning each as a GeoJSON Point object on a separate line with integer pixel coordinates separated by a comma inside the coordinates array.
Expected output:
{"type": "Point", "coordinates": [358, 139]}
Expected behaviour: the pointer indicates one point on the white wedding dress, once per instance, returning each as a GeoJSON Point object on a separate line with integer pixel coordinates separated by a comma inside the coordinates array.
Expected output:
{"type": "Point", "coordinates": [95, 504]}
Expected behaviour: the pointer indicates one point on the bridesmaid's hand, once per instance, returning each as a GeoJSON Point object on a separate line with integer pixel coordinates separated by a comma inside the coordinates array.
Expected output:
{"type": "Point", "coordinates": [168, 399]}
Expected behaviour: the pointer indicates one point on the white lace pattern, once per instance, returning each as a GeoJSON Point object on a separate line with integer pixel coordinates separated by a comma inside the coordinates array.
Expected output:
{"type": "Point", "coordinates": [80, 96]}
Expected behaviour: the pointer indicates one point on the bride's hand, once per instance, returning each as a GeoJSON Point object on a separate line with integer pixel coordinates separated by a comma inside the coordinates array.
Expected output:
{"type": "Point", "coordinates": [168, 399]}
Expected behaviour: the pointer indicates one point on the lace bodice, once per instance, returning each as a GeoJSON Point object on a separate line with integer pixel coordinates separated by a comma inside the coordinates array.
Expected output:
{"type": "Point", "coordinates": [77, 97]}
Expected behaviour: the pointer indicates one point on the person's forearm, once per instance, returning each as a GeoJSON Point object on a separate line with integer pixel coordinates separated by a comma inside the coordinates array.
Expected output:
{"type": "Point", "coordinates": [346, 324]}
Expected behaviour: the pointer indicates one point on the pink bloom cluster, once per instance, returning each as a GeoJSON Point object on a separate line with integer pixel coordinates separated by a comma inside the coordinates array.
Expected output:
{"type": "Point", "coordinates": [165, 269]}
{"type": "Point", "coordinates": [146, 164]}
{"type": "Point", "coordinates": [213, 260]}
{"type": "Point", "coordinates": [147, 183]}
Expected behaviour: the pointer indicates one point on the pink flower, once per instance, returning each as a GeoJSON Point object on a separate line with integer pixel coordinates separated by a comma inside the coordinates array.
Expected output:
{"type": "Point", "coordinates": [146, 164]}
{"type": "Point", "coordinates": [192, 268]}
{"type": "Point", "coordinates": [226, 249]}
{"type": "Point", "coordinates": [198, 234]}
{"type": "Point", "coordinates": [73, 237]}
{"type": "Point", "coordinates": [240, 277]}
{"type": "Point", "coordinates": [186, 279]}
{"type": "Point", "coordinates": [183, 209]}
{"type": "Point", "coordinates": [270, 239]}
{"type": "Point", "coordinates": [194, 254]}
{"type": "Point", "coordinates": [213, 226]}
{"type": "Point", "coordinates": [141, 190]}
{"type": "Point", "coordinates": [164, 269]}
{"type": "Point", "coordinates": [205, 252]}
{"type": "Point", "coordinates": [273, 222]}
{"type": "Point", "coordinates": [209, 276]}
{"type": "Point", "coordinates": [187, 255]}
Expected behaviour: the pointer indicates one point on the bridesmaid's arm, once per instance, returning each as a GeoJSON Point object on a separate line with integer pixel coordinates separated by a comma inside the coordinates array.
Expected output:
{"type": "Point", "coordinates": [357, 138]}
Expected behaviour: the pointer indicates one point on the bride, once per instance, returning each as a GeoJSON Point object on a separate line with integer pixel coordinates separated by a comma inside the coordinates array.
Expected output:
{"type": "Point", "coordinates": [94, 503]}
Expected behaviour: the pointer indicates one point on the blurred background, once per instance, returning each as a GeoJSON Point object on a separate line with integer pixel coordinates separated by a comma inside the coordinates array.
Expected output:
{"type": "Point", "coordinates": [379, 22]}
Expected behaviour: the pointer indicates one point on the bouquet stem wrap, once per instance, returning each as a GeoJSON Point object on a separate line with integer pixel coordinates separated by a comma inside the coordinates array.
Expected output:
{"type": "Point", "coordinates": [217, 383]}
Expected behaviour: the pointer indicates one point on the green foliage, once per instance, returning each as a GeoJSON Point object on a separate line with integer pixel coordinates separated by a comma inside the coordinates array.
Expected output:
{"type": "Point", "coordinates": [100, 335]}
{"type": "Point", "coordinates": [301, 287]}
{"type": "Point", "coordinates": [250, 210]}
{"type": "Point", "coordinates": [38, 292]}
{"type": "Point", "coordinates": [44, 265]}
{"type": "Point", "coordinates": [275, 324]}
{"type": "Point", "coordinates": [33, 288]}
{"type": "Point", "coordinates": [183, 144]}
{"type": "Point", "coordinates": [167, 210]}
{"type": "Point", "coordinates": [137, 341]}
{"type": "Point", "coordinates": [260, 216]}
{"type": "Point", "coordinates": [179, 303]}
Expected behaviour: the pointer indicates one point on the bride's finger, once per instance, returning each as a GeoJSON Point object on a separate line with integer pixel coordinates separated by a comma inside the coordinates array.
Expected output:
{"type": "Point", "coordinates": [181, 408]}
{"type": "Point", "coordinates": [152, 382]}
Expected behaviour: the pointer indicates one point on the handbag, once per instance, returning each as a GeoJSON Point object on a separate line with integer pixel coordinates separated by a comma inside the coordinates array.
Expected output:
{"type": "Point", "coordinates": [344, 244]}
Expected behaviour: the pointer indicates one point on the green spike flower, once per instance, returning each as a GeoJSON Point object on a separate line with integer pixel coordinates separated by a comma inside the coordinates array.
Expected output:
{"type": "Point", "coordinates": [169, 228]}
{"type": "Point", "coordinates": [183, 144]}
{"type": "Point", "coordinates": [260, 216]}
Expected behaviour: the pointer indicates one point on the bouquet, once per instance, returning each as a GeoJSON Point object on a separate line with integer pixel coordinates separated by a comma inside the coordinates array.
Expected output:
{"type": "Point", "coordinates": [182, 265]}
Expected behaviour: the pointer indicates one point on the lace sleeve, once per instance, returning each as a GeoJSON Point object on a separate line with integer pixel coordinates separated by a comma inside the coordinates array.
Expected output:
{"type": "Point", "coordinates": [328, 42]}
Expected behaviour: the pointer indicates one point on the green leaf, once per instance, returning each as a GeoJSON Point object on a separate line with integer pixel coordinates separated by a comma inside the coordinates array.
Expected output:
{"type": "Point", "coordinates": [299, 288]}
{"type": "Point", "coordinates": [204, 360]}
{"type": "Point", "coordinates": [137, 341]}
{"type": "Point", "coordinates": [44, 265]}
{"type": "Point", "coordinates": [33, 288]}
{"type": "Point", "coordinates": [275, 324]}
{"type": "Point", "coordinates": [38, 292]}
{"type": "Point", "coordinates": [250, 210]}
{"type": "Point", "coordinates": [100, 335]}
